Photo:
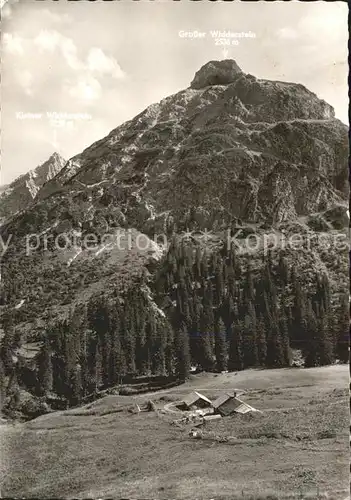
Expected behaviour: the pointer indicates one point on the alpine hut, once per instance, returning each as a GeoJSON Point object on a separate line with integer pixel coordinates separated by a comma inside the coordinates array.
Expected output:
{"type": "Point", "coordinates": [196, 400]}
{"type": "Point", "coordinates": [227, 404]}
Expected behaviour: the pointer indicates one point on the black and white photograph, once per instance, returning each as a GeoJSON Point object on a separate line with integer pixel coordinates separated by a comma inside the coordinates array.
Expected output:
{"type": "Point", "coordinates": [174, 250]}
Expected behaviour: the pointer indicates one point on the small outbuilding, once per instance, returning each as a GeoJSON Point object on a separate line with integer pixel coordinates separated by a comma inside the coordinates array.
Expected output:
{"type": "Point", "coordinates": [227, 404]}
{"type": "Point", "coordinates": [208, 418]}
{"type": "Point", "coordinates": [195, 401]}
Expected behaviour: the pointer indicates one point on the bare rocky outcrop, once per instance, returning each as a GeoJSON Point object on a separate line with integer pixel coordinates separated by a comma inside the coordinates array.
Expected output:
{"type": "Point", "coordinates": [216, 73]}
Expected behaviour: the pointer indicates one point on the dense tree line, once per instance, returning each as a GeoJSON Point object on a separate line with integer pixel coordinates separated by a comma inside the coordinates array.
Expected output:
{"type": "Point", "coordinates": [210, 311]}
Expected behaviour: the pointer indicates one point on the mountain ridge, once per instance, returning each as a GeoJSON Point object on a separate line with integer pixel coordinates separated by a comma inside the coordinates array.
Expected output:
{"type": "Point", "coordinates": [21, 192]}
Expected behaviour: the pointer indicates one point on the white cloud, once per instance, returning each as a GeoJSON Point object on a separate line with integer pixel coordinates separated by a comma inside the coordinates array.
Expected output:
{"type": "Point", "coordinates": [328, 23]}
{"type": "Point", "coordinates": [56, 18]}
{"type": "Point", "coordinates": [325, 24]}
{"type": "Point", "coordinates": [287, 33]}
{"type": "Point", "coordinates": [13, 43]}
{"type": "Point", "coordinates": [69, 52]}
{"type": "Point", "coordinates": [86, 89]}
{"type": "Point", "coordinates": [98, 61]}
{"type": "Point", "coordinates": [51, 40]}
{"type": "Point", "coordinates": [47, 40]}
{"type": "Point", "coordinates": [25, 80]}
{"type": "Point", "coordinates": [83, 76]}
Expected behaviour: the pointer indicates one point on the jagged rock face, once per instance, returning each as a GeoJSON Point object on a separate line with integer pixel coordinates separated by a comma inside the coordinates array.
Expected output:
{"type": "Point", "coordinates": [216, 73]}
{"type": "Point", "coordinates": [250, 149]}
{"type": "Point", "coordinates": [21, 192]}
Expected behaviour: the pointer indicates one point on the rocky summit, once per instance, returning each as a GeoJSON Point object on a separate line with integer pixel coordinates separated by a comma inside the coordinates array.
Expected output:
{"type": "Point", "coordinates": [216, 73]}
{"type": "Point", "coordinates": [231, 151]}
{"type": "Point", "coordinates": [18, 195]}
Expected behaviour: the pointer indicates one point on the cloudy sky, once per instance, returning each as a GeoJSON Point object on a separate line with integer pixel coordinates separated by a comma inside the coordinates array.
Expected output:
{"type": "Point", "coordinates": [110, 60]}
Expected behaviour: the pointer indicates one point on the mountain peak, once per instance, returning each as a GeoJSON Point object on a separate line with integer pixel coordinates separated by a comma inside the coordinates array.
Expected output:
{"type": "Point", "coordinates": [20, 193]}
{"type": "Point", "coordinates": [216, 73]}
{"type": "Point", "coordinates": [56, 156]}
{"type": "Point", "coordinates": [47, 170]}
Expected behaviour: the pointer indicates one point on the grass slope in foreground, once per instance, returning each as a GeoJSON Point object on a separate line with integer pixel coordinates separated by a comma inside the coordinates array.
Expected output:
{"type": "Point", "coordinates": [297, 448]}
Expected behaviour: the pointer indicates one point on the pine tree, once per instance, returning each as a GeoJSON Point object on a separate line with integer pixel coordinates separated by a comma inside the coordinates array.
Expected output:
{"type": "Point", "coordinates": [325, 345]}
{"type": "Point", "coordinates": [6, 353]}
{"type": "Point", "coordinates": [195, 331]}
{"type": "Point", "coordinates": [45, 379]}
{"type": "Point", "coordinates": [129, 337]}
{"type": "Point", "coordinates": [283, 271]}
{"type": "Point", "coordinates": [250, 337]}
{"type": "Point", "coordinates": [187, 257]}
{"type": "Point", "coordinates": [183, 303]}
{"type": "Point", "coordinates": [213, 264]}
{"type": "Point", "coordinates": [299, 312]}
{"type": "Point", "coordinates": [275, 354]}
{"type": "Point", "coordinates": [197, 264]}
{"type": "Point", "coordinates": [151, 335]}
{"type": "Point", "coordinates": [116, 360]}
{"type": "Point", "coordinates": [204, 347]}
{"type": "Point", "coordinates": [231, 310]}
{"type": "Point", "coordinates": [221, 347]}
{"type": "Point", "coordinates": [208, 303]}
{"type": "Point", "coordinates": [56, 333]}
{"type": "Point", "coordinates": [261, 342]}
{"type": "Point", "coordinates": [75, 384]}
{"type": "Point", "coordinates": [208, 309]}
{"type": "Point", "coordinates": [310, 350]}
{"type": "Point", "coordinates": [232, 256]}
{"type": "Point", "coordinates": [219, 284]}
{"type": "Point", "coordinates": [236, 357]}
{"type": "Point", "coordinates": [183, 353]}
{"type": "Point", "coordinates": [342, 330]}
{"type": "Point", "coordinates": [140, 314]}
{"type": "Point", "coordinates": [249, 288]}
{"type": "Point", "coordinates": [170, 349]}
{"type": "Point", "coordinates": [268, 284]}
{"type": "Point", "coordinates": [94, 364]}
{"type": "Point", "coordinates": [2, 385]}
{"type": "Point", "coordinates": [284, 332]}
{"type": "Point", "coordinates": [98, 318]}
{"type": "Point", "coordinates": [98, 372]}
{"type": "Point", "coordinates": [13, 393]}
{"type": "Point", "coordinates": [160, 349]}
{"type": "Point", "coordinates": [69, 357]}
{"type": "Point", "coordinates": [83, 350]}
{"type": "Point", "coordinates": [322, 296]}
{"type": "Point", "coordinates": [8, 342]}
{"type": "Point", "coordinates": [204, 266]}
{"type": "Point", "coordinates": [231, 277]}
